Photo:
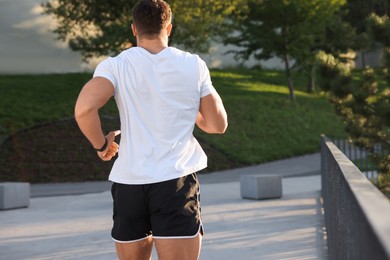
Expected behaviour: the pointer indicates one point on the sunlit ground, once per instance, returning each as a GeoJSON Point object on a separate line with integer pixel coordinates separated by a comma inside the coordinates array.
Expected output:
{"type": "Point", "coordinates": [287, 228]}
{"type": "Point", "coordinates": [78, 227]}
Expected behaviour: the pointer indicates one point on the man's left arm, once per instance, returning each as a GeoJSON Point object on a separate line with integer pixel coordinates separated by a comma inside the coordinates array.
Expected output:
{"type": "Point", "coordinates": [94, 95]}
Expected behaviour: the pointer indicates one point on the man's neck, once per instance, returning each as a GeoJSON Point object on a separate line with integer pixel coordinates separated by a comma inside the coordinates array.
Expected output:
{"type": "Point", "coordinates": [153, 46]}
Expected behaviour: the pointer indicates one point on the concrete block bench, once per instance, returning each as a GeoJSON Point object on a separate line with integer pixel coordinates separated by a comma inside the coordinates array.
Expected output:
{"type": "Point", "coordinates": [14, 195]}
{"type": "Point", "coordinates": [261, 186]}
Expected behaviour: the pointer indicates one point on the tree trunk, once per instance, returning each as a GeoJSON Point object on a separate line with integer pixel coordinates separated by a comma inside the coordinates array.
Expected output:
{"type": "Point", "coordinates": [311, 84]}
{"type": "Point", "coordinates": [363, 59]}
{"type": "Point", "coordinates": [289, 79]}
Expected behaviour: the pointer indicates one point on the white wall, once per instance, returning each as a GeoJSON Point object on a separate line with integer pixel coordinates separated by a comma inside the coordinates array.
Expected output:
{"type": "Point", "coordinates": [26, 43]}
{"type": "Point", "coordinates": [218, 59]}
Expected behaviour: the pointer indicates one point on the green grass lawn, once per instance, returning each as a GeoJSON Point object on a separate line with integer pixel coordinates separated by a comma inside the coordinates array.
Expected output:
{"type": "Point", "coordinates": [264, 125]}
{"type": "Point", "coordinates": [28, 100]}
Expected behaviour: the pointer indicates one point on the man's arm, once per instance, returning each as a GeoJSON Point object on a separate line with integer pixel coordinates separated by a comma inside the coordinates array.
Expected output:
{"type": "Point", "coordinates": [212, 117]}
{"type": "Point", "coordinates": [94, 95]}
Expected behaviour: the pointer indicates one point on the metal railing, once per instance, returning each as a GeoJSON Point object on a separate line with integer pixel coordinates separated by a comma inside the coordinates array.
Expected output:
{"type": "Point", "coordinates": [359, 156]}
{"type": "Point", "coordinates": [357, 214]}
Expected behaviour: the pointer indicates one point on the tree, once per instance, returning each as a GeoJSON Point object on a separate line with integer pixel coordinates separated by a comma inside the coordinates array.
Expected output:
{"type": "Point", "coordinates": [363, 104]}
{"type": "Point", "coordinates": [356, 12]}
{"type": "Point", "coordinates": [99, 28]}
{"type": "Point", "coordinates": [336, 39]}
{"type": "Point", "coordinates": [287, 29]}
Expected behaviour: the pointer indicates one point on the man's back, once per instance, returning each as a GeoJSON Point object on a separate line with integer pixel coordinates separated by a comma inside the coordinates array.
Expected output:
{"type": "Point", "coordinates": [158, 98]}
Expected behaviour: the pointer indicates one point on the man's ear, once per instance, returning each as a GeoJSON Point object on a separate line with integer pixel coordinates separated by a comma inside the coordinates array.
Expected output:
{"type": "Point", "coordinates": [169, 29]}
{"type": "Point", "coordinates": [134, 29]}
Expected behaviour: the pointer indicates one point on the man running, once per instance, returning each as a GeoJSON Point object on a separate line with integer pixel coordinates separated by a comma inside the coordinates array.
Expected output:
{"type": "Point", "coordinates": [161, 93]}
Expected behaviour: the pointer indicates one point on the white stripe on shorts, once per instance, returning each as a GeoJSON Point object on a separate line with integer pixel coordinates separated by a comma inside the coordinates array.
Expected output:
{"type": "Point", "coordinates": [131, 241]}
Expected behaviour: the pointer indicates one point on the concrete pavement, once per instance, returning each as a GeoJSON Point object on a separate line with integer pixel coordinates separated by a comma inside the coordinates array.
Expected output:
{"type": "Point", "coordinates": [78, 226]}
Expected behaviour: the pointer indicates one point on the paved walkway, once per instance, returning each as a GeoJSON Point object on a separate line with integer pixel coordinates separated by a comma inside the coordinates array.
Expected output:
{"type": "Point", "coordinates": [78, 226]}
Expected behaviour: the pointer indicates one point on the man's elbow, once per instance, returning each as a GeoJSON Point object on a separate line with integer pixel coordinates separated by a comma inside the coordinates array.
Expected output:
{"type": "Point", "coordinates": [221, 128]}
{"type": "Point", "coordinates": [214, 125]}
{"type": "Point", "coordinates": [223, 124]}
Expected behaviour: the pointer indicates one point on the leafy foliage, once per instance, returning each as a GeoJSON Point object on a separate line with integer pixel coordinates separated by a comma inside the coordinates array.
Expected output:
{"type": "Point", "coordinates": [363, 103]}
{"type": "Point", "coordinates": [99, 28]}
{"type": "Point", "coordinates": [288, 29]}
{"type": "Point", "coordinates": [355, 13]}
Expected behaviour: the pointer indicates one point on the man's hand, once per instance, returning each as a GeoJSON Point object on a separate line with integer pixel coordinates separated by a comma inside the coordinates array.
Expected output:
{"type": "Point", "coordinates": [112, 146]}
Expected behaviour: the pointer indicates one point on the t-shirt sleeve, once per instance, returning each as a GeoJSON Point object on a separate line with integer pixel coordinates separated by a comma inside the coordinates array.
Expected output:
{"type": "Point", "coordinates": [106, 70]}
{"type": "Point", "coordinates": [206, 87]}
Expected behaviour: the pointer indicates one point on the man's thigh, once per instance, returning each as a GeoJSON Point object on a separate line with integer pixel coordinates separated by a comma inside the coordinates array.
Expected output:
{"type": "Point", "coordinates": [140, 250]}
{"type": "Point", "coordinates": [178, 249]}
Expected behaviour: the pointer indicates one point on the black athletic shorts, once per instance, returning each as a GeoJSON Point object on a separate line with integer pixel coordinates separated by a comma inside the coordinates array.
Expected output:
{"type": "Point", "coordinates": [169, 209]}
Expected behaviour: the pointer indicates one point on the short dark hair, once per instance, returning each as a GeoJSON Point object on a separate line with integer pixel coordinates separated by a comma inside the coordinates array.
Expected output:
{"type": "Point", "coordinates": [151, 16]}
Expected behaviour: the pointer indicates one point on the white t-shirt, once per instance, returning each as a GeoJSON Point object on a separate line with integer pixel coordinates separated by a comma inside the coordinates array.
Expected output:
{"type": "Point", "coordinates": [158, 98]}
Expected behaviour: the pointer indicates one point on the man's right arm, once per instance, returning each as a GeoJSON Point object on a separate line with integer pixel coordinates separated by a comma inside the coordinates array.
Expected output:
{"type": "Point", "coordinates": [212, 117]}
